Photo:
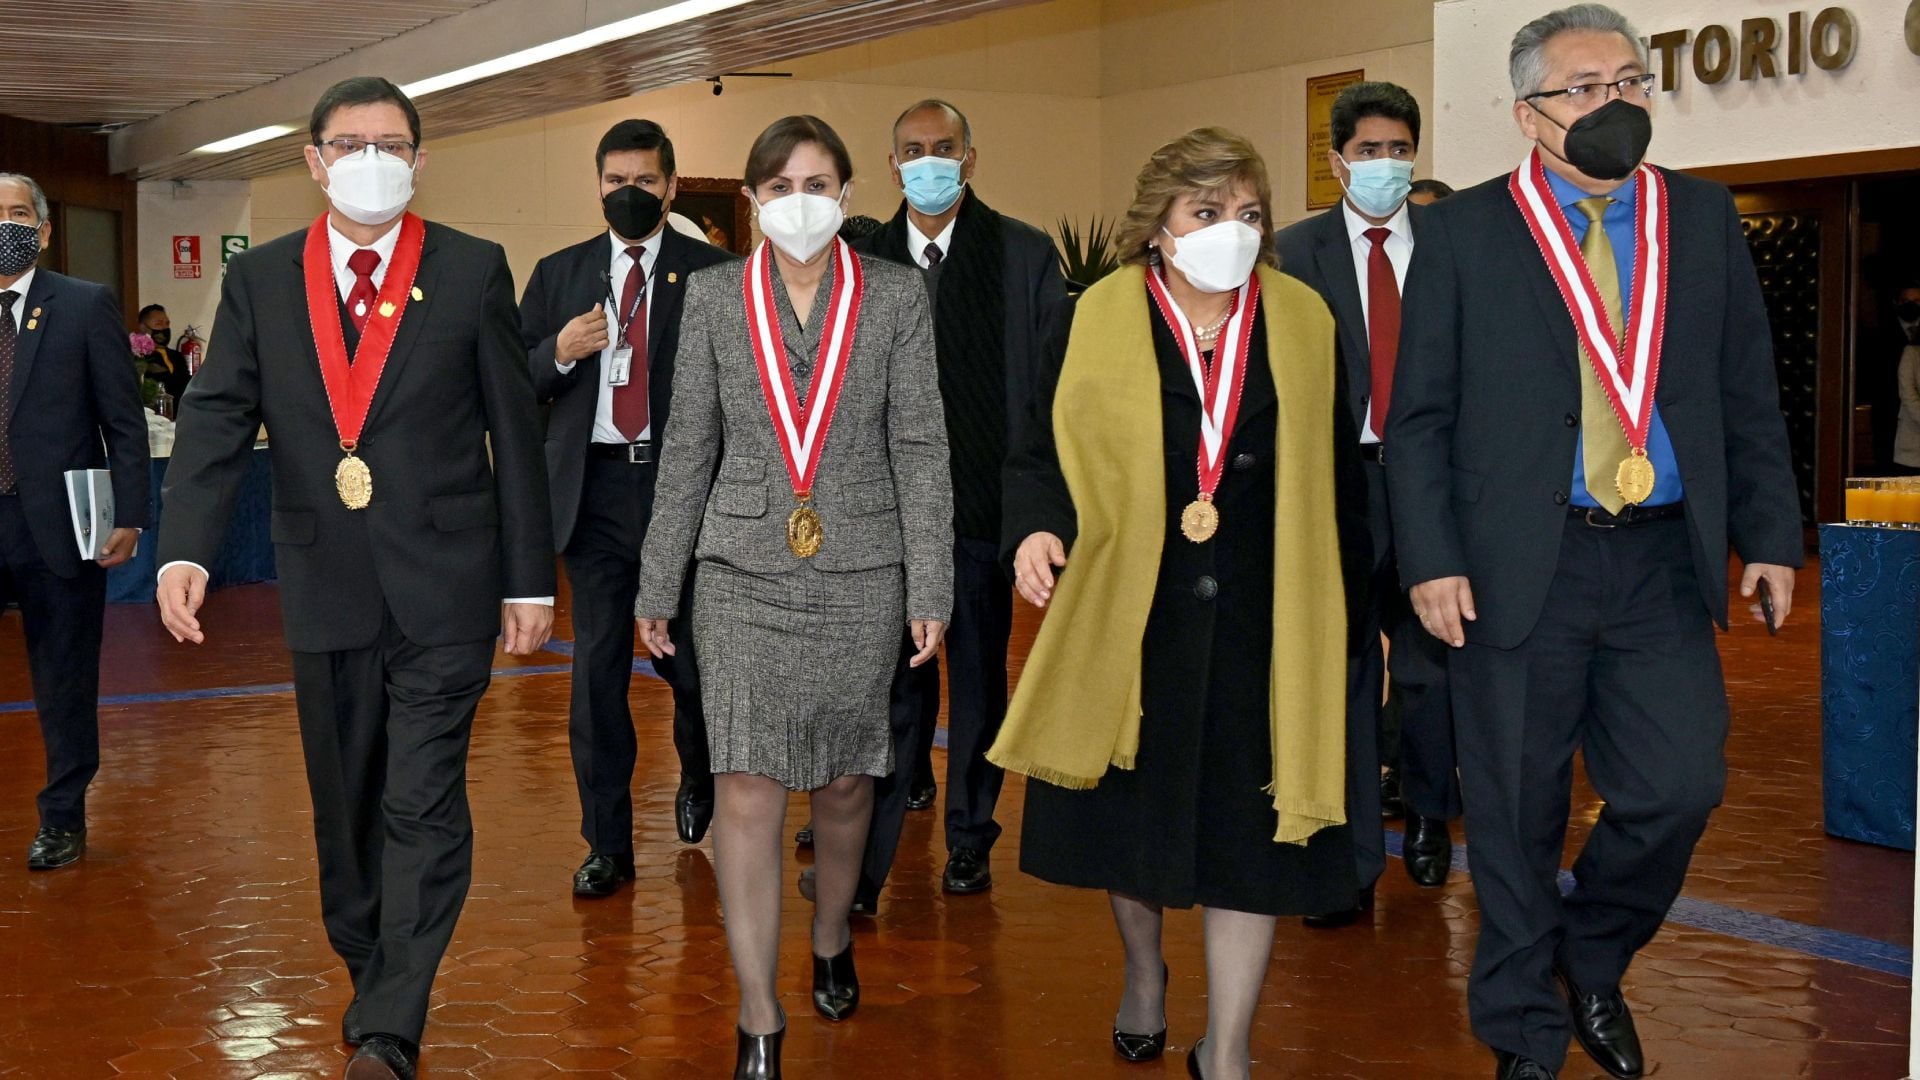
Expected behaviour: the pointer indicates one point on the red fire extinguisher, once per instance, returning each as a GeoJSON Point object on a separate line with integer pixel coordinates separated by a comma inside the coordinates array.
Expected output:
{"type": "Point", "coordinates": [191, 348]}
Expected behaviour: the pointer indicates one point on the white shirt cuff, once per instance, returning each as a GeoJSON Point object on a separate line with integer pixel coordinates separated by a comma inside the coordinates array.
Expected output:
{"type": "Point", "coordinates": [543, 601]}
{"type": "Point", "coordinates": [564, 368]}
{"type": "Point", "coordinates": [179, 562]}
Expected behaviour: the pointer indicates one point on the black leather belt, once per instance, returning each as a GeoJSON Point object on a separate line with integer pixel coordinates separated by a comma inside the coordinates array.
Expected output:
{"type": "Point", "coordinates": [1628, 516]}
{"type": "Point", "coordinates": [1374, 452]}
{"type": "Point", "coordinates": [640, 453]}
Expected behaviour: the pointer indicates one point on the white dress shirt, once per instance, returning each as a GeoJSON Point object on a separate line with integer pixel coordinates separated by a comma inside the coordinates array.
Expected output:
{"type": "Point", "coordinates": [339, 250]}
{"type": "Point", "coordinates": [604, 430]}
{"type": "Point", "coordinates": [1399, 252]}
{"type": "Point", "coordinates": [20, 302]}
{"type": "Point", "coordinates": [917, 242]}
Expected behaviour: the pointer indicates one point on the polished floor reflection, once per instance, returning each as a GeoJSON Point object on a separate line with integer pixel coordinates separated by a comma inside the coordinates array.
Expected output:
{"type": "Point", "coordinates": [188, 942]}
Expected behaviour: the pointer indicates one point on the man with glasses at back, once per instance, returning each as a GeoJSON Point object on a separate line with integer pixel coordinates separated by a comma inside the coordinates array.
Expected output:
{"type": "Point", "coordinates": [410, 525]}
{"type": "Point", "coordinates": [1585, 417]}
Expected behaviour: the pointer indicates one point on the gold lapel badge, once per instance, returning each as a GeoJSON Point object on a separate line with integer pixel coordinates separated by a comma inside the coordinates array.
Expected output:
{"type": "Point", "coordinates": [386, 310]}
{"type": "Point", "coordinates": [33, 324]}
{"type": "Point", "coordinates": [673, 278]}
{"type": "Point", "coordinates": [418, 295]}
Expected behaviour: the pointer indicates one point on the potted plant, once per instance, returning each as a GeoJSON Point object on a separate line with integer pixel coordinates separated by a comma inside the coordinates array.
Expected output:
{"type": "Point", "coordinates": [1087, 258]}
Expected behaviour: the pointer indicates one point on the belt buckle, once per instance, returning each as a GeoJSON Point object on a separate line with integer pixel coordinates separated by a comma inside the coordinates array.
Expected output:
{"type": "Point", "coordinates": [639, 453]}
{"type": "Point", "coordinates": [1592, 524]}
{"type": "Point", "coordinates": [1380, 455]}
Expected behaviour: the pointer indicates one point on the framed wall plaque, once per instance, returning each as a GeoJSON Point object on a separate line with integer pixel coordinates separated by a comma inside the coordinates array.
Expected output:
{"type": "Point", "coordinates": [1323, 187]}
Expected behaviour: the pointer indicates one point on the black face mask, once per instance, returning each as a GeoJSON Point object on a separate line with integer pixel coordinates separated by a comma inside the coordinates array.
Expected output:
{"type": "Point", "coordinates": [1609, 142]}
{"type": "Point", "coordinates": [633, 212]}
{"type": "Point", "coordinates": [160, 337]}
{"type": "Point", "coordinates": [1908, 311]}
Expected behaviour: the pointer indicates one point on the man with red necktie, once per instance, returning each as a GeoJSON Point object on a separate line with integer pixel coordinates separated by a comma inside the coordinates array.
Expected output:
{"type": "Point", "coordinates": [600, 322]}
{"type": "Point", "coordinates": [1356, 256]}
{"type": "Point", "coordinates": [410, 527]}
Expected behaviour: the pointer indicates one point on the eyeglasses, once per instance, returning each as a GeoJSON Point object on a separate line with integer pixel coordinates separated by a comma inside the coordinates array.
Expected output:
{"type": "Point", "coordinates": [1631, 88]}
{"type": "Point", "coordinates": [343, 147]}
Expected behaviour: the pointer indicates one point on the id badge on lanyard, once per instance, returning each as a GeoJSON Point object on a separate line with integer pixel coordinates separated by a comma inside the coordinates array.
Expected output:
{"type": "Point", "coordinates": [620, 366]}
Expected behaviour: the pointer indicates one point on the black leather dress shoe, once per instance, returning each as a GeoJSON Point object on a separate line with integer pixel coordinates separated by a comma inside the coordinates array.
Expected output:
{"type": "Point", "coordinates": [54, 848]}
{"type": "Point", "coordinates": [383, 1057]}
{"type": "Point", "coordinates": [1334, 920]}
{"type": "Point", "coordinates": [968, 871]}
{"type": "Point", "coordinates": [1392, 806]}
{"type": "Point", "coordinates": [836, 987]}
{"type": "Point", "coordinates": [758, 1056]}
{"type": "Point", "coordinates": [921, 797]}
{"type": "Point", "coordinates": [601, 875]}
{"type": "Point", "coordinates": [1428, 851]}
{"type": "Point", "coordinates": [1515, 1067]}
{"type": "Point", "coordinates": [804, 838]}
{"type": "Point", "coordinates": [1605, 1029]}
{"type": "Point", "coordinates": [1136, 1047]}
{"type": "Point", "coordinates": [350, 1032]}
{"type": "Point", "coordinates": [693, 808]}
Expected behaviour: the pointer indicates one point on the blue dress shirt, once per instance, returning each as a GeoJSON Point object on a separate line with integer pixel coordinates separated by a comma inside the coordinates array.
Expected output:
{"type": "Point", "coordinates": [1619, 223]}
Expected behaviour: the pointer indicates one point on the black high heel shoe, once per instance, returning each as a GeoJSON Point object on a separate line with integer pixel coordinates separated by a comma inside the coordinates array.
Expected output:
{"type": "Point", "coordinates": [1193, 1060]}
{"type": "Point", "coordinates": [759, 1055]}
{"type": "Point", "coordinates": [1137, 1048]}
{"type": "Point", "coordinates": [836, 987]}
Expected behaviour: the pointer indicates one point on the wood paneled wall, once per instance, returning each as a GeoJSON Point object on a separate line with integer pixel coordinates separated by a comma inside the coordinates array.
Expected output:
{"type": "Point", "coordinates": [71, 166]}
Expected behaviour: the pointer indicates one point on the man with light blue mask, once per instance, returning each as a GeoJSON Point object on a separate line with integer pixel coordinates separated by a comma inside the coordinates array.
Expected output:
{"type": "Point", "coordinates": [999, 309]}
{"type": "Point", "coordinates": [1356, 255]}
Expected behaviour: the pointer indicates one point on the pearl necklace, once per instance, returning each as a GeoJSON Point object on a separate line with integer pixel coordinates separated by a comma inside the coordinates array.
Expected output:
{"type": "Point", "coordinates": [1214, 330]}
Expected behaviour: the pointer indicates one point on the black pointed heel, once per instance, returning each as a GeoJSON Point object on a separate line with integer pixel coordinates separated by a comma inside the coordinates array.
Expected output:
{"type": "Point", "coordinates": [836, 987]}
{"type": "Point", "coordinates": [1136, 1047]}
{"type": "Point", "coordinates": [759, 1055]}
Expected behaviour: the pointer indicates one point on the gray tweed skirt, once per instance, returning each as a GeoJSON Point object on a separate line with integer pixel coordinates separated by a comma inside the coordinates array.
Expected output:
{"type": "Point", "coordinates": [796, 668]}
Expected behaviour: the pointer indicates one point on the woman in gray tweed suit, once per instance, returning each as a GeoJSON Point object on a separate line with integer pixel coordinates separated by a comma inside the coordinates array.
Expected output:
{"type": "Point", "coordinates": [806, 573]}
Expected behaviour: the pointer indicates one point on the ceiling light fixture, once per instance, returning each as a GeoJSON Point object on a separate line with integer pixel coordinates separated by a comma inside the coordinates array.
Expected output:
{"type": "Point", "coordinates": [566, 46]}
{"type": "Point", "coordinates": [661, 18]}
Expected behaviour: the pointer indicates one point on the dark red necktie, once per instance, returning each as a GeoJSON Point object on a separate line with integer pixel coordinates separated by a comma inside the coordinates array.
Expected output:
{"type": "Point", "coordinates": [360, 298]}
{"type": "Point", "coordinates": [1383, 327]}
{"type": "Point", "coordinates": [9, 346]}
{"type": "Point", "coordinates": [630, 401]}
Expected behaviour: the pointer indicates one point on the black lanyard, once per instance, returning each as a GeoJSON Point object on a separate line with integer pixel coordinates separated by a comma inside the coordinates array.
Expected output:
{"type": "Point", "coordinates": [639, 298]}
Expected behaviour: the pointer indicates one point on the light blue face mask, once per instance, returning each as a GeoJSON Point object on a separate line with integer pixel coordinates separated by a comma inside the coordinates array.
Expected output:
{"type": "Point", "coordinates": [1379, 186]}
{"type": "Point", "coordinates": [932, 183]}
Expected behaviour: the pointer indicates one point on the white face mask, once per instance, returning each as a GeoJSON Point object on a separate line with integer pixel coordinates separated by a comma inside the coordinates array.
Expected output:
{"type": "Point", "coordinates": [1218, 258]}
{"type": "Point", "coordinates": [370, 187]}
{"type": "Point", "coordinates": [802, 224]}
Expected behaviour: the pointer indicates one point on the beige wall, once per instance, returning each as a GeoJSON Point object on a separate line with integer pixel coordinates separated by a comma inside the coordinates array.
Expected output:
{"type": "Point", "coordinates": [1067, 99]}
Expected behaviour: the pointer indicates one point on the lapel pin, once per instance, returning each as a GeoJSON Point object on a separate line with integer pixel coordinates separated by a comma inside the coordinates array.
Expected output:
{"type": "Point", "coordinates": [386, 310]}
{"type": "Point", "coordinates": [673, 278]}
{"type": "Point", "coordinates": [417, 294]}
{"type": "Point", "coordinates": [36, 312]}
{"type": "Point", "coordinates": [33, 324]}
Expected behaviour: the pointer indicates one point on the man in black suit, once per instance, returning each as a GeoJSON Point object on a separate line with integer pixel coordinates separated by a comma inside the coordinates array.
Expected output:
{"type": "Point", "coordinates": [1356, 256]}
{"type": "Point", "coordinates": [66, 383]}
{"type": "Point", "coordinates": [601, 323]}
{"type": "Point", "coordinates": [999, 306]}
{"type": "Point", "coordinates": [165, 366]}
{"type": "Point", "coordinates": [1563, 506]}
{"type": "Point", "coordinates": [409, 530]}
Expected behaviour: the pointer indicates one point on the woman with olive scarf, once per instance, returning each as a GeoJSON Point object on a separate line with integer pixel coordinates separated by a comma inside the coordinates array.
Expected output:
{"type": "Point", "coordinates": [1182, 711]}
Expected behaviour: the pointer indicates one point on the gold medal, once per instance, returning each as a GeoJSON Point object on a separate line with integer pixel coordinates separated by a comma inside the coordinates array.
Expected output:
{"type": "Point", "coordinates": [354, 481]}
{"type": "Point", "coordinates": [1200, 520]}
{"type": "Point", "coordinates": [803, 531]}
{"type": "Point", "coordinates": [1634, 478]}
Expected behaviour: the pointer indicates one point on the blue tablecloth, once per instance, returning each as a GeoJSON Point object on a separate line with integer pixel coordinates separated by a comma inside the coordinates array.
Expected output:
{"type": "Point", "coordinates": [1869, 680]}
{"type": "Point", "coordinates": [246, 555]}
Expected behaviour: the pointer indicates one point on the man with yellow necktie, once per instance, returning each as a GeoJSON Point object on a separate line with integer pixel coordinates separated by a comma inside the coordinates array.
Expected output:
{"type": "Point", "coordinates": [1585, 418]}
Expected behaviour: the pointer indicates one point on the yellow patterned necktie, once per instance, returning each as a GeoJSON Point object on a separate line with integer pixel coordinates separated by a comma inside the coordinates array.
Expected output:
{"type": "Point", "coordinates": [1604, 441]}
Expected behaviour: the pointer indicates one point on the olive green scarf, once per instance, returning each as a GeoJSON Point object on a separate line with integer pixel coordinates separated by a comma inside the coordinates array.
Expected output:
{"type": "Point", "coordinates": [1077, 708]}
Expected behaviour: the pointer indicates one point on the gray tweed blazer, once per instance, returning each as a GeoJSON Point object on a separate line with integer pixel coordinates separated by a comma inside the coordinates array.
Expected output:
{"type": "Point", "coordinates": [883, 490]}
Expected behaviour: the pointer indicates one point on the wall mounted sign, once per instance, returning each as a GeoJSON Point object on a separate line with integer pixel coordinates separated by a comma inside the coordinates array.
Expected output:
{"type": "Point", "coordinates": [230, 246]}
{"type": "Point", "coordinates": [1761, 50]}
{"type": "Point", "coordinates": [186, 256]}
{"type": "Point", "coordinates": [1323, 187]}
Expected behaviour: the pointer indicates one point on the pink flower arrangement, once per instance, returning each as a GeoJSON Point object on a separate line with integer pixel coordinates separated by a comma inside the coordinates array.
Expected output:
{"type": "Point", "coordinates": [142, 344]}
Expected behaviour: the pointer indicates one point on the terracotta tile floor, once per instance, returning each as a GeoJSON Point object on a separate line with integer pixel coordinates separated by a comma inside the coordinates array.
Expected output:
{"type": "Point", "coordinates": [188, 944]}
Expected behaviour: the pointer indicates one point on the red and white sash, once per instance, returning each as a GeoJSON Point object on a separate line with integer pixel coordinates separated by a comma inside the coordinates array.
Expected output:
{"type": "Point", "coordinates": [1219, 384]}
{"type": "Point", "coordinates": [1629, 370]}
{"type": "Point", "coordinates": [802, 432]}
